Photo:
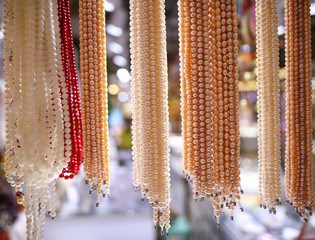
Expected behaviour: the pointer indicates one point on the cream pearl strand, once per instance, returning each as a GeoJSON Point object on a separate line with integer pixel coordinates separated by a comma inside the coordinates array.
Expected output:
{"type": "Point", "coordinates": [268, 104]}
{"type": "Point", "coordinates": [135, 96]}
{"type": "Point", "coordinates": [34, 116]}
{"type": "Point", "coordinates": [150, 109]}
{"type": "Point", "coordinates": [299, 179]}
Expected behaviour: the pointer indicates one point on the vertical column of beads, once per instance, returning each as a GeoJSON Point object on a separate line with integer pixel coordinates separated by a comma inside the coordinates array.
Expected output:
{"type": "Point", "coordinates": [28, 133]}
{"type": "Point", "coordinates": [150, 122]}
{"type": "Point", "coordinates": [260, 110]}
{"type": "Point", "coordinates": [135, 95]}
{"type": "Point", "coordinates": [299, 190]}
{"type": "Point", "coordinates": [42, 101]}
{"type": "Point", "coordinates": [268, 104]}
{"type": "Point", "coordinates": [57, 96]}
{"type": "Point", "coordinates": [12, 89]}
{"type": "Point", "coordinates": [224, 105]}
{"type": "Point", "coordinates": [73, 101]}
{"type": "Point", "coordinates": [195, 51]}
{"type": "Point", "coordinates": [35, 150]}
{"type": "Point", "coordinates": [224, 100]}
{"type": "Point", "coordinates": [94, 95]}
{"type": "Point", "coordinates": [209, 99]}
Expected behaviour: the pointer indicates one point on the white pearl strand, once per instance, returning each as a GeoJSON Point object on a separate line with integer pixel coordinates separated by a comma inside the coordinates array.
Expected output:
{"type": "Point", "coordinates": [268, 104]}
{"type": "Point", "coordinates": [34, 122]}
{"type": "Point", "coordinates": [10, 86]}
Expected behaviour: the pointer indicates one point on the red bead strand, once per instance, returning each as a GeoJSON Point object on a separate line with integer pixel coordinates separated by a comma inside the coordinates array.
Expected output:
{"type": "Point", "coordinates": [71, 76]}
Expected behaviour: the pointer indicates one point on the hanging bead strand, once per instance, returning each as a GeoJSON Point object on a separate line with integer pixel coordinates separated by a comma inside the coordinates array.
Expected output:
{"type": "Point", "coordinates": [135, 95]}
{"type": "Point", "coordinates": [150, 116]}
{"type": "Point", "coordinates": [209, 99]}
{"type": "Point", "coordinates": [73, 101]}
{"type": "Point", "coordinates": [35, 153]}
{"type": "Point", "coordinates": [34, 126]}
{"type": "Point", "coordinates": [94, 95]}
{"type": "Point", "coordinates": [268, 104]}
{"type": "Point", "coordinates": [299, 190]}
{"type": "Point", "coordinates": [195, 87]}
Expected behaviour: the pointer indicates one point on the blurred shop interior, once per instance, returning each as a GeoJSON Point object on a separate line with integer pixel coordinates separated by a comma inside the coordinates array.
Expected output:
{"type": "Point", "coordinates": [124, 215]}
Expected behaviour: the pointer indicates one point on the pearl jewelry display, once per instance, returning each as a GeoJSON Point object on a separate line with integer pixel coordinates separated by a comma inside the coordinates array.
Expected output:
{"type": "Point", "coordinates": [73, 101]}
{"type": "Point", "coordinates": [94, 95]}
{"type": "Point", "coordinates": [268, 104]}
{"type": "Point", "coordinates": [35, 120]}
{"type": "Point", "coordinates": [299, 189]}
{"type": "Point", "coordinates": [209, 100]}
{"type": "Point", "coordinates": [45, 129]}
{"type": "Point", "coordinates": [150, 106]}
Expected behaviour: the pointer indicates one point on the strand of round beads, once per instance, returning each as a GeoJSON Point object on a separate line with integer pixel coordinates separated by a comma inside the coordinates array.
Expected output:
{"type": "Point", "coordinates": [135, 96]}
{"type": "Point", "coordinates": [299, 190]}
{"type": "Point", "coordinates": [34, 116]}
{"type": "Point", "coordinates": [94, 95]}
{"type": "Point", "coordinates": [73, 101]}
{"type": "Point", "coordinates": [195, 87]}
{"type": "Point", "coordinates": [209, 100]}
{"type": "Point", "coordinates": [225, 79]}
{"type": "Point", "coordinates": [150, 109]}
{"type": "Point", "coordinates": [268, 104]}
{"type": "Point", "coordinates": [10, 86]}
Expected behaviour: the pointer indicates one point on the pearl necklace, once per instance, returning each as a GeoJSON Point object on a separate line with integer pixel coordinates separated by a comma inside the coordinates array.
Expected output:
{"type": "Point", "coordinates": [149, 106]}
{"type": "Point", "coordinates": [34, 115]}
{"type": "Point", "coordinates": [209, 100]}
{"type": "Point", "coordinates": [268, 104]}
{"type": "Point", "coordinates": [73, 101]}
{"type": "Point", "coordinates": [299, 190]}
{"type": "Point", "coordinates": [94, 95]}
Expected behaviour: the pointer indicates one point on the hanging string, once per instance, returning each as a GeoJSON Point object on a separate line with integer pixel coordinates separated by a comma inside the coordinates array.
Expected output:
{"type": "Point", "coordinates": [299, 179]}
{"type": "Point", "coordinates": [35, 139]}
{"type": "Point", "coordinates": [149, 105]}
{"type": "Point", "coordinates": [268, 104]}
{"type": "Point", "coordinates": [209, 100]}
{"type": "Point", "coordinates": [73, 101]}
{"type": "Point", "coordinates": [94, 95]}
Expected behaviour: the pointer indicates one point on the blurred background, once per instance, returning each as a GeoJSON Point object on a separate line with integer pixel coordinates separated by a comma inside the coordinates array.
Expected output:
{"type": "Point", "coordinates": [124, 216]}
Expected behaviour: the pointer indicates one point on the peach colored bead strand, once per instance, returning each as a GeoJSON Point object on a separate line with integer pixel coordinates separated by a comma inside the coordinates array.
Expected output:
{"type": "Point", "coordinates": [195, 89]}
{"type": "Point", "coordinates": [209, 100]}
{"type": "Point", "coordinates": [94, 95]}
{"type": "Point", "coordinates": [299, 189]}
{"type": "Point", "coordinates": [225, 105]}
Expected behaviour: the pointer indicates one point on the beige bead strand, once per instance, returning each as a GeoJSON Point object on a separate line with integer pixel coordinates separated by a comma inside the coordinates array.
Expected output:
{"type": "Point", "coordinates": [150, 106]}
{"type": "Point", "coordinates": [268, 104]}
{"type": "Point", "coordinates": [135, 95]}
